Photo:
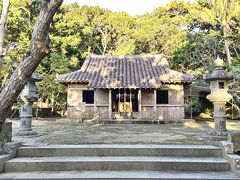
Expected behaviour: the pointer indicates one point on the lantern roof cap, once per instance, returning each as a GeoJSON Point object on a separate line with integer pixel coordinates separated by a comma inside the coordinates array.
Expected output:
{"type": "Point", "coordinates": [218, 73]}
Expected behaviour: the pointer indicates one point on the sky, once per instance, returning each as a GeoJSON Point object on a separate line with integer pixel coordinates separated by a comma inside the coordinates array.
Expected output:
{"type": "Point", "coordinates": [133, 7]}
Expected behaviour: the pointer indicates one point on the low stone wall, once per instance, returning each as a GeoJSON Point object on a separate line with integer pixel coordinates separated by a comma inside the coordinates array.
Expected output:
{"type": "Point", "coordinates": [6, 133]}
{"type": "Point", "coordinates": [228, 154]}
{"type": "Point", "coordinates": [235, 139]}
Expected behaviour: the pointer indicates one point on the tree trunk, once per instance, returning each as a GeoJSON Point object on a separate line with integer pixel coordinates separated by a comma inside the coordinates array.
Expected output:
{"type": "Point", "coordinates": [226, 46]}
{"type": "Point", "coordinates": [39, 48]}
{"type": "Point", "coordinates": [3, 26]}
{"type": "Point", "coordinates": [52, 103]}
{"type": "Point", "coordinates": [227, 51]}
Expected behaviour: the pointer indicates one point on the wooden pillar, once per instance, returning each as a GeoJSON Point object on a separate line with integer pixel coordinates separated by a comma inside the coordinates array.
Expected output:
{"type": "Point", "coordinates": [119, 100]}
{"type": "Point", "coordinates": [124, 102]}
{"type": "Point", "coordinates": [95, 103]}
{"type": "Point", "coordinates": [139, 104]}
{"type": "Point", "coordinates": [130, 96]}
{"type": "Point", "coordinates": [110, 105]}
{"type": "Point", "coordinates": [155, 104]}
{"type": "Point", "coordinates": [191, 101]}
{"type": "Point", "coordinates": [130, 99]}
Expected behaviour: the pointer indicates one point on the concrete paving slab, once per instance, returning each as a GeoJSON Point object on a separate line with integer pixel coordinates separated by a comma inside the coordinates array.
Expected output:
{"type": "Point", "coordinates": [93, 146]}
{"type": "Point", "coordinates": [116, 175]}
{"type": "Point", "coordinates": [118, 158]}
{"type": "Point", "coordinates": [120, 163]}
{"type": "Point", "coordinates": [120, 150]}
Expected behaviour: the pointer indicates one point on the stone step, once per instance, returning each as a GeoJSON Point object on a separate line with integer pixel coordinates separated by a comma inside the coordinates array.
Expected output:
{"type": "Point", "coordinates": [57, 175]}
{"type": "Point", "coordinates": [116, 163]}
{"type": "Point", "coordinates": [121, 150]}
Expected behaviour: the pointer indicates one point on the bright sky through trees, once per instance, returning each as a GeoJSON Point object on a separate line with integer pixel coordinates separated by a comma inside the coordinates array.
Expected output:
{"type": "Point", "coordinates": [133, 7]}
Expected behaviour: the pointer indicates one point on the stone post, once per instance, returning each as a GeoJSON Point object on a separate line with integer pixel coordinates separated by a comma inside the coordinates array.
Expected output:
{"type": "Point", "coordinates": [219, 96]}
{"type": "Point", "coordinates": [27, 98]}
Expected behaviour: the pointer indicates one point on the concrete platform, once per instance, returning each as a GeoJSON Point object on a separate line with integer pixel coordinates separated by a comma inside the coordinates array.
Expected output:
{"type": "Point", "coordinates": [60, 175]}
{"type": "Point", "coordinates": [116, 163]}
{"type": "Point", "coordinates": [120, 150]}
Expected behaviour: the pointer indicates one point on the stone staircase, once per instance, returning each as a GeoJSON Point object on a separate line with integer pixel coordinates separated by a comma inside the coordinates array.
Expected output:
{"type": "Point", "coordinates": [118, 162]}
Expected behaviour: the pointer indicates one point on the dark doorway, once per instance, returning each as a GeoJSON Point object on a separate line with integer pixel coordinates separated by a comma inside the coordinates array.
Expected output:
{"type": "Point", "coordinates": [124, 100]}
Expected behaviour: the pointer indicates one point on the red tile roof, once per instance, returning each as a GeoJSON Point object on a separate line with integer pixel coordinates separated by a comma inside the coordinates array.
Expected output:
{"type": "Point", "coordinates": [147, 71]}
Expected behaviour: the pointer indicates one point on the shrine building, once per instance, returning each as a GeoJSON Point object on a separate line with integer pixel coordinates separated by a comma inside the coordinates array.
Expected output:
{"type": "Point", "coordinates": [125, 87]}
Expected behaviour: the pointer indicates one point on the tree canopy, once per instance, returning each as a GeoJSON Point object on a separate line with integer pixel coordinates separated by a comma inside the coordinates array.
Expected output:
{"type": "Point", "coordinates": [191, 35]}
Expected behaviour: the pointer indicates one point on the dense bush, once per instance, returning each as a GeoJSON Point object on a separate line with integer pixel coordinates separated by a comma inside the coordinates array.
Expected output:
{"type": "Point", "coordinates": [193, 103]}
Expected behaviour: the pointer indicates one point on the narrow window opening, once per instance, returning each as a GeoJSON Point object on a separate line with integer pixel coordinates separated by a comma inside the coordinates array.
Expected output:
{"type": "Point", "coordinates": [221, 85]}
{"type": "Point", "coordinates": [162, 97]}
{"type": "Point", "coordinates": [88, 96]}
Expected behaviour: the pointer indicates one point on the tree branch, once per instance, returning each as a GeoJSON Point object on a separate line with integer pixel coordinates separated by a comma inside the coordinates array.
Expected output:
{"type": "Point", "coordinates": [39, 48]}
{"type": "Point", "coordinates": [3, 21]}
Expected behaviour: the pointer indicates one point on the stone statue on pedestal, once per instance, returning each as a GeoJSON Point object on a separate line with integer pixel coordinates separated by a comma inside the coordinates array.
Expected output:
{"type": "Point", "coordinates": [219, 96]}
{"type": "Point", "coordinates": [27, 97]}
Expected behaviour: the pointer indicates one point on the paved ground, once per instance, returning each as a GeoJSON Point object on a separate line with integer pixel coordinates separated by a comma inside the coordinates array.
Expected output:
{"type": "Point", "coordinates": [58, 132]}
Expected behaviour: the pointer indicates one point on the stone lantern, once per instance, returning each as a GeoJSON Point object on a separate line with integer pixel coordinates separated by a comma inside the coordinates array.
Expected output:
{"type": "Point", "coordinates": [27, 97]}
{"type": "Point", "coordinates": [219, 96]}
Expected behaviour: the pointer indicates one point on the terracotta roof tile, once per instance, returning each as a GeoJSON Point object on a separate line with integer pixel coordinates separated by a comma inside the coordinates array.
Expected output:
{"type": "Point", "coordinates": [148, 71]}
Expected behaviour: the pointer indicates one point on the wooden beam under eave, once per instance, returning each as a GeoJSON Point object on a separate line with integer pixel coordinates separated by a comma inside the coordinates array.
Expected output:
{"type": "Point", "coordinates": [110, 104]}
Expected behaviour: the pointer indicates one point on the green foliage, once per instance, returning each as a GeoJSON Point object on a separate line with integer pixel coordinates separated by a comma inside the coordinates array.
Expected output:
{"type": "Point", "coordinates": [21, 18]}
{"type": "Point", "coordinates": [209, 112]}
{"type": "Point", "coordinates": [49, 68]}
{"type": "Point", "coordinates": [236, 70]}
{"type": "Point", "coordinates": [193, 104]}
{"type": "Point", "coordinates": [164, 30]}
{"type": "Point", "coordinates": [222, 13]}
{"type": "Point", "coordinates": [233, 112]}
{"type": "Point", "coordinates": [198, 53]}
{"type": "Point", "coordinates": [189, 34]}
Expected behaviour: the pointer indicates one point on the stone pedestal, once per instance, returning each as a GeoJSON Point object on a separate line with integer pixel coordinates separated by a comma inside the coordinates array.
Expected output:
{"type": "Point", "coordinates": [219, 98]}
{"type": "Point", "coordinates": [220, 130]}
{"type": "Point", "coordinates": [26, 120]}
